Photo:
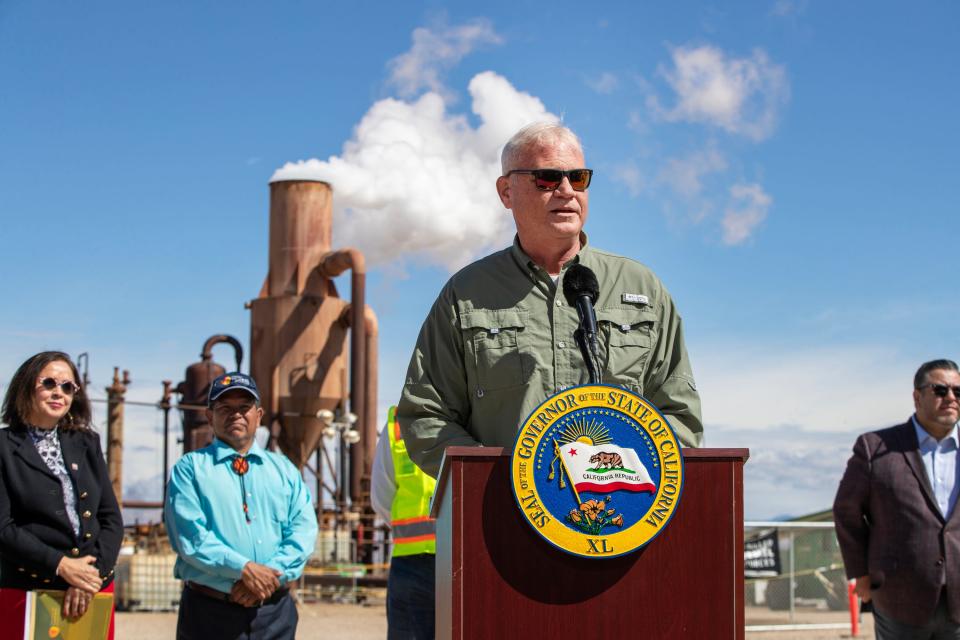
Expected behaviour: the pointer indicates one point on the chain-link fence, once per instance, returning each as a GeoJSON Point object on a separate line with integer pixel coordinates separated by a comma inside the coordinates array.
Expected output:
{"type": "Point", "coordinates": [794, 577]}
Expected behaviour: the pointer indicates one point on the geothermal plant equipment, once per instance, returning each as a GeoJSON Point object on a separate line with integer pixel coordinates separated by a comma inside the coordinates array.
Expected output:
{"type": "Point", "coordinates": [197, 431]}
{"type": "Point", "coordinates": [313, 354]}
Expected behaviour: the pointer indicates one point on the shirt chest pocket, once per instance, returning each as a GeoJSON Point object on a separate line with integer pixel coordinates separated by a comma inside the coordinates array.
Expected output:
{"type": "Point", "coordinates": [493, 345]}
{"type": "Point", "coordinates": [627, 336]}
{"type": "Point", "coordinates": [274, 500]}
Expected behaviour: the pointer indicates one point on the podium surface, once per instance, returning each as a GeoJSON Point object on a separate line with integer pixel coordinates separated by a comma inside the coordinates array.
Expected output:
{"type": "Point", "coordinates": [497, 578]}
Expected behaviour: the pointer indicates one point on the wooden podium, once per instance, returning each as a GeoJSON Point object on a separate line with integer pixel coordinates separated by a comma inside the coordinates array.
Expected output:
{"type": "Point", "coordinates": [497, 578]}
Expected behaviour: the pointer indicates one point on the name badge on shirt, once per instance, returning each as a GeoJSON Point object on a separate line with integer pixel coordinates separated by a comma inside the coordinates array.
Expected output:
{"type": "Point", "coordinates": [636, 298]}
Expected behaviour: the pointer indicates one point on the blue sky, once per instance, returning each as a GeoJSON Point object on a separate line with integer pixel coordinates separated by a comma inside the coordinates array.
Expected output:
{"type": "Point", "coordinates": [788, 168]}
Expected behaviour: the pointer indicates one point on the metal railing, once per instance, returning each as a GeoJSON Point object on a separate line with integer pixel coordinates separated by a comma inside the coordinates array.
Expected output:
{"type": "Point", "coordinates": [810, 589]}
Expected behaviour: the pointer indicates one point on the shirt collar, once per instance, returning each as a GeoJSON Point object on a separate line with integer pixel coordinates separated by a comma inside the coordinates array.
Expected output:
{"type": "Point", "coordinates": [37, 433]}
{"type": "Point", "coordinates": [222, 451]}
{"type": "Point", "coordinates": [526, 262]}
{"type": "Point", "coordinates": [927, 442]}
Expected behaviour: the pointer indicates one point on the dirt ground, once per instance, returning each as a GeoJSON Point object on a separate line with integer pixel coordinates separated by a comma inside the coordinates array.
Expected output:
{"type": "Point", "coordinates": [319, 621]}
{"type": "Point", "coordinates": [327, 621]}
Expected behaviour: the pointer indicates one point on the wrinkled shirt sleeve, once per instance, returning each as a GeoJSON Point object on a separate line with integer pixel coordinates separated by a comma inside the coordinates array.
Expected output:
{"type": "Point", "coordinates": [190, 533]}
{"type": "Point", "coordinates": [669, 379]}
{"type": "Point", "coordinates": [383, 484]}
{"type": "Point", "coordinates": [299, 530]}
{"type": "Point", "coordinates": [434, 405]}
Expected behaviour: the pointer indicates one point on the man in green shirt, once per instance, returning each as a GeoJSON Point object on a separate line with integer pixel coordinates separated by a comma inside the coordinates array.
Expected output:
{"type": "Point", "coordinates": [499, 339]}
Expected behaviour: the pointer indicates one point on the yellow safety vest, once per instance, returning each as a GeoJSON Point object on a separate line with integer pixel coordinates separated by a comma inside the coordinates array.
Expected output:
{"type": "Point", "coordinates": [414, 530]}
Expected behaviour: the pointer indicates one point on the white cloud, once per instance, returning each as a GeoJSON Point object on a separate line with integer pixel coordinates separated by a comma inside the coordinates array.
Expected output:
{"type": "Point", "coordinates": [798, 409]}
{"type": "Point", "coordinates": [630, 176]}
{"type": "Point", "coordinates": [760, 387]}
{"type": "Point", "coordinates": [740, 95]}
{"type": "Point", "coordinates": [788, 8]}
{"type": "Point", "coordinates": [605, 83]}
{"type": "Point", "coordinates": [636, 122]}
{"type": "Point", "coordinates": [417, 182]}
{"type": "Point", "coordinates": [791, 471]}
{"type": "Point", "coordinates": [684, 175]}
{"type": "Point", "coordinates": [436, 50]}
{"type": "Point", "coordinates": [748, 208]}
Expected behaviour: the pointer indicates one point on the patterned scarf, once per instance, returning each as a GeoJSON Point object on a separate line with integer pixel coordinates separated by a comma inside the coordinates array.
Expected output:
{"type": "Point", "coordinates": [47, 445]}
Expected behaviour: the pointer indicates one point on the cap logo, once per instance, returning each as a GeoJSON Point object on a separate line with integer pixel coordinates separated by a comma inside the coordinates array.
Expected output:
{"type": "Point", "coordinates": [226, 381]}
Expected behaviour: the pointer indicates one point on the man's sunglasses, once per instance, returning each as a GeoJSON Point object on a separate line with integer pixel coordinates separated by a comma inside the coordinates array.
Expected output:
{"type": "Point", "coordinates": [550, 179]}
{"type": "Point", "coordinates": [68, 387]}
{"type": "Point", "coordinates": [940, 390]}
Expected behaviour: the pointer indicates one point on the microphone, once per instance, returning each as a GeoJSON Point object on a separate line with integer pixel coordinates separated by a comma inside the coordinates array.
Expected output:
{"type": "Point", "coordinates": [581, 289]}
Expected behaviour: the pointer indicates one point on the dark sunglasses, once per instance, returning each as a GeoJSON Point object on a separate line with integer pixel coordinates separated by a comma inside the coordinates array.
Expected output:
{"type": "Point", "coordinates": [68, 387]}
{"type": "Point", "coordinates": [940, 390]}
{"type": "Point", "coordinates": [550, 179]}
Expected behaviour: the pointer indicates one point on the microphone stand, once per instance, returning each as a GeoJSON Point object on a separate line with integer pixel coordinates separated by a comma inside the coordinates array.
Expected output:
{"type": "Point", "coordinates": [589, 358]}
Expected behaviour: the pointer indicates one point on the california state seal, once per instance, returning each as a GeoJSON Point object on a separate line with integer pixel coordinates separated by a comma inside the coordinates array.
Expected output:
{"type": "Point", "coordinates": [597, 471]}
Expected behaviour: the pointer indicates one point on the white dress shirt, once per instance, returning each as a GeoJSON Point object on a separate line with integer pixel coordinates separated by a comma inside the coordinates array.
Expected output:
{"type": "Point", "coordinates": [940, 460]}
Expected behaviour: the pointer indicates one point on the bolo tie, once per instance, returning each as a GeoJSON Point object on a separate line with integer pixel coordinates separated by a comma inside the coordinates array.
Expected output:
{"type": "Point", "coordinates": [240, 467]}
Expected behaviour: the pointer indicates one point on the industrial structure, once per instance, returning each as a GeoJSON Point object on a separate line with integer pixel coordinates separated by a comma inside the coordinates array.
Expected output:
{"type": "Point", "coordinates": [314, 357]}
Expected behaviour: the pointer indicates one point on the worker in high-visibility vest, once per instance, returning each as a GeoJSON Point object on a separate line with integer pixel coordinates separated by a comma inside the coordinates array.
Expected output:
{"type": "Point", "coordinates": [401, 494]}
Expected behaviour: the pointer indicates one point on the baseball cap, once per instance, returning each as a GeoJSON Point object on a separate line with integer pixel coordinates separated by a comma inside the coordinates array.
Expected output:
{"type": "Point", "coordinates": [229, 382]}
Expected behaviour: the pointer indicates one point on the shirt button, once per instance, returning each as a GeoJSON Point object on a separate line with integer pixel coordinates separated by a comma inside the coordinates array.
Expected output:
{"type": "Point", "coordinates": [83, 494]}
{"type": "Point", "coordinates": [562, 344]}
{"type": "Point", "coordinates": [559, 302]}
{"type": "Point", "coordinates": [74, 552]}
{"type": "Point", "coordinates": [86, 514]}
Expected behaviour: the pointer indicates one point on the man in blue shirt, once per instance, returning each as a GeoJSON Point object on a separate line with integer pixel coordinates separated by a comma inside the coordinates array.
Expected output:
{"type": "Point", "coordinates": [242, 523]}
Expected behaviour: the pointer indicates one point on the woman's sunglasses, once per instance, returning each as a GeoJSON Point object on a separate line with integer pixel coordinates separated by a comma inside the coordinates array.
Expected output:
{"type": "Point", "coordinates": [68, 387]}
{"type": "Point", "coordinates": [550, 179]}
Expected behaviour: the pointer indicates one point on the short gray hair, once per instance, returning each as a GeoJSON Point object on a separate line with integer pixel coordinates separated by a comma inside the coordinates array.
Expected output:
{"type": "Point", "coordinates": [538, 134]}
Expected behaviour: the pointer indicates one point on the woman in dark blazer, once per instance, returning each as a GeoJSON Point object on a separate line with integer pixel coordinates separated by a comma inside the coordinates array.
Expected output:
{"type": "Point", "coordinates": [60, 525]}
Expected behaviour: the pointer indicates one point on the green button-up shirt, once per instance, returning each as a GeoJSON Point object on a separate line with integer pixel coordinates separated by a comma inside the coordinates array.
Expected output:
{"type": "Point", "coordinates": [499, 340]}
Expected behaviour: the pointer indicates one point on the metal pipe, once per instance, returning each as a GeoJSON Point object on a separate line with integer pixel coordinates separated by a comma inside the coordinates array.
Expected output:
{"type": "Point", "coordinates": [318, 474]}
{"type": "Point", "coordinates": [165, 406]}
{"type": "Point", "coordinates": [301, 226]}
{"type": "Point", "coordinates": [83, 364]}
{"type": "Point", "coordinates": [793, 577]}
{"type": "Point", "coordinates": [341, 457]}
{"type": "Point", "coordinates": [369, 431]}
{"type": "Point", "coordinates": [115, 393]}
{"type": "Point", "coordinates": [331, 265]}
{"type": "Point", "coordinates": [368, 439]}
{"type": "Point", "coordinates": [207, 353]}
